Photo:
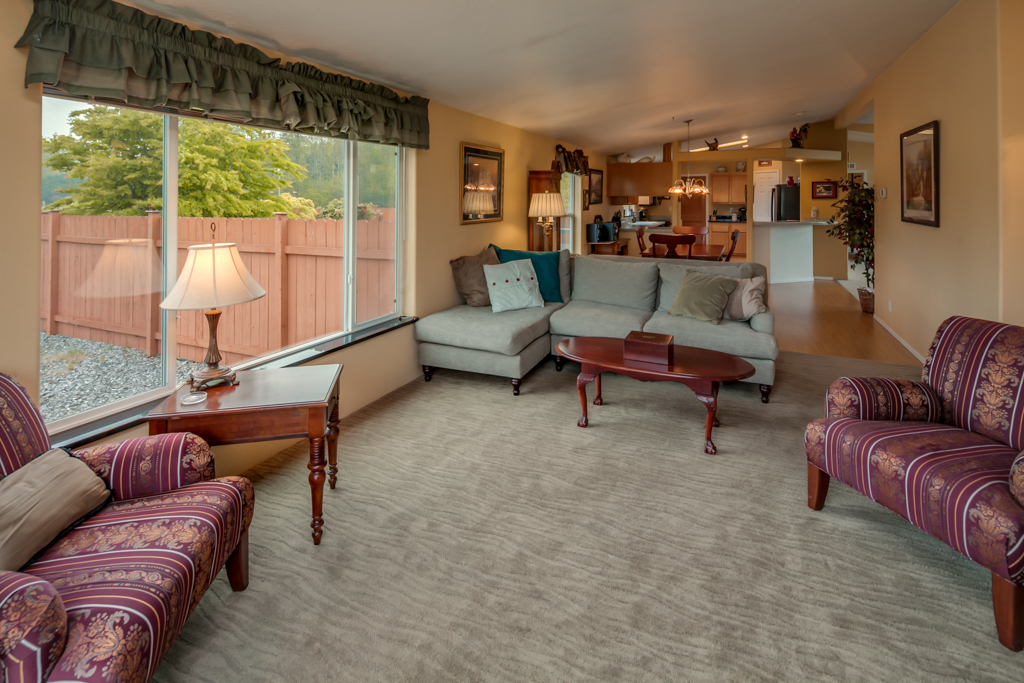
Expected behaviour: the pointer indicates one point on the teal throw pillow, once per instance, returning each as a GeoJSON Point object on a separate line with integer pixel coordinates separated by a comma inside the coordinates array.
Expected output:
{"type": "Point", "coordinates": [545, 263]}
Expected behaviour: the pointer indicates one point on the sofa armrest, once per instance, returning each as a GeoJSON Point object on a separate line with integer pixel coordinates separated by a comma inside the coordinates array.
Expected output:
{"type": "Point", "coordinates": [1017, 480]}
{"type": "Point", "coordinates": [881, 398]}
{"type": "Point", "coordinates": [34, 625]}
{"type": "Point", "coordinates": [763, 322]}
{"type": "Point", "coordinates": [150, 464]}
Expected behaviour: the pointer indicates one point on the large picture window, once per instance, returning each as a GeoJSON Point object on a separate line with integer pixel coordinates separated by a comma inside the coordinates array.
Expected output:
{"type": "Point", "coordinates": [316, 220]}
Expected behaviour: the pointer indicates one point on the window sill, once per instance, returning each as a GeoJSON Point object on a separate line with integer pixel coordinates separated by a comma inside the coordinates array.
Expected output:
{"type": "Point", "coordinates": [112, 424]}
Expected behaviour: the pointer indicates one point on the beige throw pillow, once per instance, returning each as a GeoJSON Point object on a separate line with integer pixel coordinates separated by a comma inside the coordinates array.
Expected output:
{"type": "Point", "coordinates": [747, 300]}
{"type": "Point", "coordinates": [703, 296]}
{"type": "Point", "coordinates": [42, 499]}
{"type": "Point", "coordinates": [470, 280]}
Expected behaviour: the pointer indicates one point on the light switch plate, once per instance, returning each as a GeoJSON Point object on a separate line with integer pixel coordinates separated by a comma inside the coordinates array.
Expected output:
{"type": "Point", "coordinates": [882, 192]}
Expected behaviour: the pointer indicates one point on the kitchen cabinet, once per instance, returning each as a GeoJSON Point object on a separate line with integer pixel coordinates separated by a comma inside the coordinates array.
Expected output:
{"type": "Point", "coordinates": [623, 181]}
{"type": "Point", "coordinates": [729, 188]}
{"type": "Point", "coordinates": [720, 234]}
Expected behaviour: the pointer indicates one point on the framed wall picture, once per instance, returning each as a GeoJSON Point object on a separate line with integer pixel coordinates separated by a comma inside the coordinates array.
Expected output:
{"type": "Point", "coordinates": [828, 189]}
{"type": "Point", "coordinates": [596, 186]}
{"type": "Point", "coordinates": [482, 192]}
{"type": "Point", "coordinates": [764, 162]}
{"type": "Point", "coordinates": [919, 175]}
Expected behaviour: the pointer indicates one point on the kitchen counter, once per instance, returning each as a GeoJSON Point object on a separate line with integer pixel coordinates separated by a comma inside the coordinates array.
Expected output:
{"type": "Point", "coordinates": [786, 248]}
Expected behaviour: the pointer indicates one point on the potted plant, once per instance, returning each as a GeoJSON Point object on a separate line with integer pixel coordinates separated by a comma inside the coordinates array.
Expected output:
{"type": "Point", "coordinates": [854, 224]}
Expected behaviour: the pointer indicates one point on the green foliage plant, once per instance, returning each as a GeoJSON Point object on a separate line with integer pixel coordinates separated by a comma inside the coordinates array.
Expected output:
{"type": "Point", "coordinates": [854, 224]}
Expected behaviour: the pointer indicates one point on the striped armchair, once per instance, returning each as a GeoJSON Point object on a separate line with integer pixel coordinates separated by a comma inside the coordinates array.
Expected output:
{"type": "Point", "coordinates": [105, 602]}
{"type": "Point", "coordinates": [943, 453]}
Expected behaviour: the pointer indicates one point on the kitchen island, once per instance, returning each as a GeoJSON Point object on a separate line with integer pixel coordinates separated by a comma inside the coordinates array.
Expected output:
{"type": "Point", "coordinates": [786, 248]}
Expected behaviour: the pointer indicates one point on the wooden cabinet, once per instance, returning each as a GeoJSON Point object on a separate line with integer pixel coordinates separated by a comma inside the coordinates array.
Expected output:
{"type": "Point", "coordinates": [623, 181]}
{"type": "Point", "coordinates": [729, 188]}
{"type": "Point", "coordinates": [720, 234]}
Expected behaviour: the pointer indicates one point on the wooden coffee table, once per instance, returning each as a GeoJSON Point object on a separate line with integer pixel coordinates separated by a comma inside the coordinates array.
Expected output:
{"type": "Point", "coordinates": [700, 369]}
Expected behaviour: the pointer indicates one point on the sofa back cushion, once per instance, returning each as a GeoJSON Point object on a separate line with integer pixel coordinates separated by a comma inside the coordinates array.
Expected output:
{"type": "Point", "coordinates": [631, 285]}
{"type": "Point", "coordinates": [977, 369]}
{"type": "Point", "coordinates": [23, 434]}
{"type": "Point", "coordinates": [672, 275]}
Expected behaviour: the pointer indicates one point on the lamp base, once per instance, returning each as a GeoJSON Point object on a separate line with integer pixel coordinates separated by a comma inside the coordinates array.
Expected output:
{"type": "Point", "coordinates": [204, 377]}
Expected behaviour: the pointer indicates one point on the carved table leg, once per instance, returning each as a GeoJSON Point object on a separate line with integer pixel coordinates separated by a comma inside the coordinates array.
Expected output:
{"type": "Point", "coordinates": [559, 363]}
{"type": "Point", "coordinates": [316, 484]}
{"type": "Point", "coordinates": [332, 446]}
{"type": "Point", "coordinates": [598, 401]}
{"type": "Point", "coordinates": [516, 383]}
{"type": "Point", "coordinates": [581, 383]}
{"type": "Point", "coordinates": [428, 372]}
{"type": "Point", "coordinates": [765, 390]}
{"type": "Point", "coordinates": [711, 401]}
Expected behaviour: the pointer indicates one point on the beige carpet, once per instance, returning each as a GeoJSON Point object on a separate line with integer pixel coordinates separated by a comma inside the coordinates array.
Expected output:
{"type": "Point", "coordinates": [477, 536]}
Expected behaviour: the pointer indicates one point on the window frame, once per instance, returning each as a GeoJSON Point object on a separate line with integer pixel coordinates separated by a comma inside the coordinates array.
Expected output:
{"type": "Point", "coordinates": [169, 230]}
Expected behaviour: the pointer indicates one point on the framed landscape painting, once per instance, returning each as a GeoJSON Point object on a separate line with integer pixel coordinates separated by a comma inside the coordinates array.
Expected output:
{"type": "Point", "coordinates": [596, 186]}
{"type": "Point", "coordinates": [824, 190]}
{"type": "Point", "coordinates": [482, 193]}
{"type": "Point", "coordinates": [919, 175]}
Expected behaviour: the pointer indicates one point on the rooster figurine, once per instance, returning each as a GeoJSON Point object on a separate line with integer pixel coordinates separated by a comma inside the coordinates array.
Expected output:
{"type": "Point", "coordinates": [713, 146]}
{"type": "Point", "coordinates": [796, 137]}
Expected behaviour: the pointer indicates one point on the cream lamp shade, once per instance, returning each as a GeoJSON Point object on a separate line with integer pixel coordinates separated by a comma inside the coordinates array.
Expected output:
{"type": "Point", "coordinates": [213, 276]}
{"type": "Point", "coordinates": [545, 204]}
{"type": "Point", "coordinates": [478, 203]}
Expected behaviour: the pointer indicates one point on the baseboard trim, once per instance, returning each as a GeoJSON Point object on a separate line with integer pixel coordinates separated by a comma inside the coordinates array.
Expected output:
{"type": "Point", "coordinates": [898, 338]}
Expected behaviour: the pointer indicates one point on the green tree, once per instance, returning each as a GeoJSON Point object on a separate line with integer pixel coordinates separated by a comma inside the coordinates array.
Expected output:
{"type": "Point", "coordinates": [116, 155]}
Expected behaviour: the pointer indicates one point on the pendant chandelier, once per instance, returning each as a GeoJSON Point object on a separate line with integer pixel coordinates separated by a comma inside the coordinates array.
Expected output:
{"type": "Point", "coordinates": [687, 185]}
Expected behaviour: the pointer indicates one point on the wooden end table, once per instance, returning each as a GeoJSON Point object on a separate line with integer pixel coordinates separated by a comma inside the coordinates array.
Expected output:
{"type": "Point", "coordinates": [702, 370]}
{"type": "Point", "coordinates": [279, 403]}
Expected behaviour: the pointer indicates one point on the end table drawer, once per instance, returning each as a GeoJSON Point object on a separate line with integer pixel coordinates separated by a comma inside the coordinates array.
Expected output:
{"type": "Point", "coordinates": [245, 427]}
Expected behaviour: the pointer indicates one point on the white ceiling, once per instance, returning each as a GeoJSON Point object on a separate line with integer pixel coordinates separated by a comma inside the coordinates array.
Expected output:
{"type": "Point", "coordinates": [607, 74]}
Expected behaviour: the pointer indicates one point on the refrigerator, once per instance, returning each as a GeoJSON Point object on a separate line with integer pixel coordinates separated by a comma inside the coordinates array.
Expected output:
{"type": "Point", "coordinates": [786, 203]}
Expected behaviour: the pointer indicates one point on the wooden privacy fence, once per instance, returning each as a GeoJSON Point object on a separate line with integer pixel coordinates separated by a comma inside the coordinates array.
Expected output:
{"type": "Point", "coordinates": [100, 280]}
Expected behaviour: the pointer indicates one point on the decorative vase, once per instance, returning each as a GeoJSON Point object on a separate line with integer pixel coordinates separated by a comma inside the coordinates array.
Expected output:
{"type": "Point", "coordinates": [867, 300]}
{"type": "Point", "coordinates": [797, 143]}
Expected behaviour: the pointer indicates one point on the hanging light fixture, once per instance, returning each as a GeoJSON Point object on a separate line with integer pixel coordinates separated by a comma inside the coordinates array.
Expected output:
{"type": "Point", "coordinates": [687, 185]}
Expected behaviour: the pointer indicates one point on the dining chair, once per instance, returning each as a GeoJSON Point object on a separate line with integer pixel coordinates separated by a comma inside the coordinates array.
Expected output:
{"type": "Point", "coordinates": [698, 230]}
{"type": "Point", "coordinates": [646, 250]}
{"type": "Point", "coordinates": [671, 242]}
{"type": "Point", "coordinates": [727, 256]}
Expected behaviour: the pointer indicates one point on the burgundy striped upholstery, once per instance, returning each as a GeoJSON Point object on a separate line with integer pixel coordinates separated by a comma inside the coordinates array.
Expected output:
{"type": "Point", "coordinates": [952, 483]}
{"type": "Point", "coordinates": [130, 576]}
{"type": "Point", "coordinates": [1017, 479]}
{"type": "Point", "coordinates": [34, 628]}
{"type": "Point", "coordinates": [878, 398]}
{"type": "Point", "coordinates": [150, 464]}
{"type": "Point", "coordinates": [976, 368]}
{"type": "Point", "coordinates": [23, 434]}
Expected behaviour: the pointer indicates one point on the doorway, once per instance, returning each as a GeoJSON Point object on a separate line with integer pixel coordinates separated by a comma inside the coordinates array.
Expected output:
{"type": "Point", "coordinates": [693, 212]}
{"type": "Point", "coordinates": [764, 182]}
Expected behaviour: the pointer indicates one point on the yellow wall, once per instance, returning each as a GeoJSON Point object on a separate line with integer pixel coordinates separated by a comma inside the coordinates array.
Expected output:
{"type": "Point", "coordinates": [863, 155]}
{"type": "Point", "coordinates": [20, 195]}
{"type": "Point", "coordinates": [1011, 72]}
{"type": "Point", "coordinates": [950, 74]}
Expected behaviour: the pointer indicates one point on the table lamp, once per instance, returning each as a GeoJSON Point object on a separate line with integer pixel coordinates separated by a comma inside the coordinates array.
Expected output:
{"type": "Point", "coordinates": [213, 276]}
{"type": "Point", "coordinates": [546, 206]}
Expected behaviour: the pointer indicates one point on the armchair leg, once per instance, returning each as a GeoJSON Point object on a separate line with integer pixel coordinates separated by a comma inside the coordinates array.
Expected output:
{"type": "Point", "coordinates": [1008, 604]}
{"type": "Point", "coordinates": [817, 487]}
{"type": "Point", "coordinates": [428, 372]}
{"type": "Point", "coordinates": [238, 564]}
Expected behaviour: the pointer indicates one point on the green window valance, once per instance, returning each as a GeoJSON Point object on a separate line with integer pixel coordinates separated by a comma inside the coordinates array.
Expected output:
{"type": "Point", "coordinates": [104, 49]}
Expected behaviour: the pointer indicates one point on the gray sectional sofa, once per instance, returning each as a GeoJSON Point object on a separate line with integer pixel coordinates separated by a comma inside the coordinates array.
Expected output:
{"type": "Point", "coordinates": [606, 296]}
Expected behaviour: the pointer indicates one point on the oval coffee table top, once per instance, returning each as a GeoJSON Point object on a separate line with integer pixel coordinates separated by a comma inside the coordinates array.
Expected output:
{"type": "Point", "coordinates": [687, 361]}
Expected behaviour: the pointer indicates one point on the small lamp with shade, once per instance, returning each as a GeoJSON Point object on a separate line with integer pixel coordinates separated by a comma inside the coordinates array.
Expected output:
{"type": "Point", "coordinates": [546, 206]}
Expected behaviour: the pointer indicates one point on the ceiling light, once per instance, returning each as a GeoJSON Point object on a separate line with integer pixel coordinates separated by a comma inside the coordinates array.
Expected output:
{"type": "Point", "coordinates": [745, 146]}
{"type": "Point", "coordinates": [744, 136]}
{"type": "Point", "coordinates": [799, 161]}
{"type": "Point", "coordinates": [800, 113]}
{"type": "Point", "coordinates": [688, 186]}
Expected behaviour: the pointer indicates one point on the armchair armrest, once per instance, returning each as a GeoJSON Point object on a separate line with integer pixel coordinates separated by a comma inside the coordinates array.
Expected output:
{"type": "Point", "coordinates": [880, 398]}
{"type": "Point", "coordinates": [34, 625]}
{"type": "Point", "coordinates": [150, 464]}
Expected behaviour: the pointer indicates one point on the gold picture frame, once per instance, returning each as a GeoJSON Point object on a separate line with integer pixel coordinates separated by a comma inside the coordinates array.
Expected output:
{"type": "Point", "coordinates": [482, 187]}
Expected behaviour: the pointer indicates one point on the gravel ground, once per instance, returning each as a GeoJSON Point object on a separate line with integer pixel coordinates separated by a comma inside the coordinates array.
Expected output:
{"type": "Point", "coordinates": [77, 375]}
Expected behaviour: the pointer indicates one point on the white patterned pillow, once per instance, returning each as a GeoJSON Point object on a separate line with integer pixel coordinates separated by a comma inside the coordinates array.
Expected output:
{"type": "Point", "coordinates": [512, 286]}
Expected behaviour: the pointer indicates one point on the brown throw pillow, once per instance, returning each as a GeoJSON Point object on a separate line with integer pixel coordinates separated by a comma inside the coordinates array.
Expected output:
{"type": "Point", "coordinates": [747, 300]}
{"type": "Point", "coordinates": [468, 272]}
{"type": "Point", "coordinates": [42, 499]}
{"type": "Point", "coordinates": [703, 296]}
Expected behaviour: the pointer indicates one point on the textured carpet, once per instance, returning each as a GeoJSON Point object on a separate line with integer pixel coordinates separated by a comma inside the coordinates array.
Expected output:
{"type": "Point", "coordinates": [477, 536]}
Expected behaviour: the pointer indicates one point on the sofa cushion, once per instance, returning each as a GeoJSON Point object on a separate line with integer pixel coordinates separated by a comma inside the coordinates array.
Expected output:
{"type": "Point", "coordinates": [42, 499]}
{"type": "Point", "coordinates": [468, 272]}
{"type": "Point", "coordinates": [747, 300]}
{"type": "Point", "coordinates": [629, 285]}
{"type": "Point", "coordinates": [130, 576]}
{"type": "Point", "coordinates": [478, 328]}
{"type": "Point", "coordinates": [547, 265]}
{"type": "Point", "coordinates": [513, 285]}
{"type": "Point", "coordinates": [947, 481]}
{"type": "Point", "coordinates": [581, 318]}
{"type": "Point", "coordinates": [977, 367]}
{"type": "Point", "coordinates": [703, 296]}
{"type": "Point", "coordinates": [672, 275]}
{"type": "Point", "coordinates": [729, 336]}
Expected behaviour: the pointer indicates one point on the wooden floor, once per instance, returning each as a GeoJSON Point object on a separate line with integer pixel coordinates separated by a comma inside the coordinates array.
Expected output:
{"type": "Point", "coordinates": [821, 317]}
